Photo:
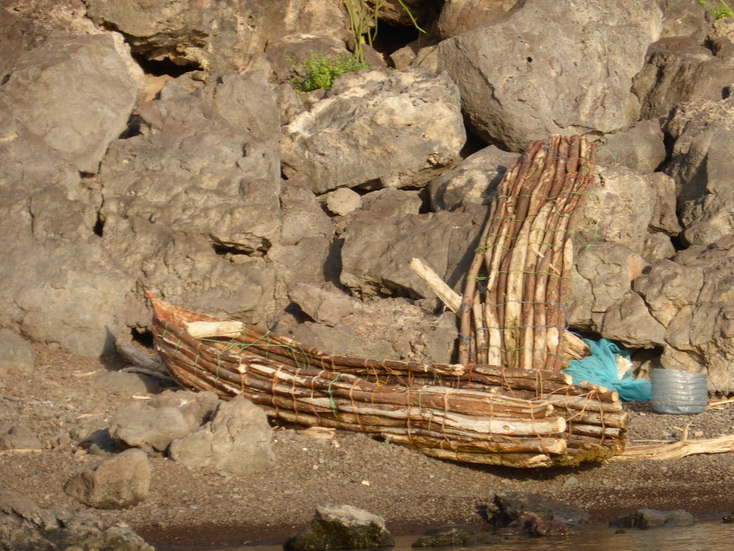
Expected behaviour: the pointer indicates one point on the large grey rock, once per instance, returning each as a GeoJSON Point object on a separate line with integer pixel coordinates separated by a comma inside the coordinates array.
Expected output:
{"type": "Point", "coordinates": [56, 285]}
{"type": "Point", "coordinates": [191, 204]}
{"type": "Point", "coordinates": [640, 148]}
{"type": "Point", "coordinates": [116, 483]}
{"type": "Point", "coordinates": [87, 81]}
{"type": "Point", "coordinates": [345, 326]}
{"type": "Point", "coordinates": [237, 440]}
{"type": "Point", "coordinates": [684, 18]}
{"type": "Point", "coordinates": [473, 181]}
{"type": "Point", "coordinates": [16, 353]}
{"type": "Point", "coordinates": [376, 129]}
{"type": "Point", "coordinates": [684, 306]}
{"type": "Point", "coordinates": [377, 251]}
{"type": "Point", "coordinates": [627, 321]}
{"type": "Point", "coordinates": [619, 210]}
{"type": "Point", "coordinates": [341, 527]}
{"type": "Point", "coordinates": [602, 275]}
{"type": "Point", "coordinates": [701, 165]}
{"type": "Point", "coordinates": [154, 424]}
{"type": "Point", "coordinates": [651, 518]}
{"type": "Point", "coordinates": [25, 525]}
{"type": "Point", "coordinates": [19, 437]}
{"type": "Point", "coordinates": [678, 70]}
{"type": "Point", "coordinates": [519, 82]}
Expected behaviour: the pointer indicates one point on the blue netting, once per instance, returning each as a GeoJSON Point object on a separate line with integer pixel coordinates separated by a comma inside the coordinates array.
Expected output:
{"type": "Point", "coordinates": [600, 368]}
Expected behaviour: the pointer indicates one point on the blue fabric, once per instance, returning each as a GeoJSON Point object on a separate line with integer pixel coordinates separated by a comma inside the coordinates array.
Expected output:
{"type": "Point", "coordinates": [600, 368]}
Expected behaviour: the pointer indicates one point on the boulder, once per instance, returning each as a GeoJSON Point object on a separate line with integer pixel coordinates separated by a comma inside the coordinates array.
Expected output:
{"type": "Point", "coordinates": [237, 440]}
{"type": "Point", "coordinates": [683, 305]}
{"type": "Point", "coordinates": [16, 353]}
{"type": "Point", "coordinates": [640, 148]}
{"type": "Point", "coordinates": [376, 129]}
{"type": "Point", "coordinates": [473, 181]}
{"type": "Point", "coordinates": [377, 250]}
{"type": "Point", "coordinates": [678, 70]}
{"type": "Point", "coordinates": [392, 202]}
{"type": "Point", "coordinates": [154, 424]}
{"type": "Point", "coordinates": [19, 437]}
{"type": "Point", "coordinates": [90, 85]}
{"type": "Point", "coordinates": [627, 321]}
{"type": "Point", "coordinates": [341, 527]}
{"type": "Point", "coordinates": [651, 518]}
{"type": "Point", "coordinates": [53, 264]}
{"type": "Point", "coordinates": [601, 276]}
{"type": "Point", "coordinates": [620, 210]}
{"type": "Point", "coordinates": [345, 326]}
{"type": "Point", "coordinates": [519, 82]}
{"type": "Point", "coordinates": [461, 16]}
{"type": "Point", "coordinates": [701, 163]}
{"type": "Point", "coordinates": [684, 18]}
{"type": "Point", "coordinates": [25, 525]}
{"type": "Point", "coordinates": [203, 163]}
{"type": "Point", "coordinates": [212, 36]}
{"type": "Point", "coordinates": [116, 483]}
{"type": "Point", "coordinates": [342, 201]}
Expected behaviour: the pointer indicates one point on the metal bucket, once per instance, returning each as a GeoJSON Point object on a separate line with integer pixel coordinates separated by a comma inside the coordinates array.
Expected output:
{"type": "Point", "coordinates": [678, 392]}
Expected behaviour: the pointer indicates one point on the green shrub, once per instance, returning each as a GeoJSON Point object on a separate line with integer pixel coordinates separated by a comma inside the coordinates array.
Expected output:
{"type": "Point", "coordinates": [718, 11]}
{"type": "Point", "coordinates": [319, 71]}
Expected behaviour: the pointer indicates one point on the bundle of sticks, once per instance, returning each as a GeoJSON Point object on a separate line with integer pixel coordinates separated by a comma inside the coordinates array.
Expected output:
{"type": "Point", "coordinates": [513, 310]}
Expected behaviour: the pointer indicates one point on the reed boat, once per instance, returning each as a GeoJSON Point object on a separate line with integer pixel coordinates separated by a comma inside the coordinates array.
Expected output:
{"type": "Point", "coordinates": [474, 413]}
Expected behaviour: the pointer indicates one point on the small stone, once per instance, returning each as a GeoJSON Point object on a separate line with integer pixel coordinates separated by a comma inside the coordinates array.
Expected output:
{"type": "Point", "coordinates": [570, 481]}
{"type": "Point", "coordinates": [342, 201]}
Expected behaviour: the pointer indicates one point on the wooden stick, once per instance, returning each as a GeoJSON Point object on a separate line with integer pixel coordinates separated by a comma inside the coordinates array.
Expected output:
{"type": "Point", "coordinates": [677, 450]}
{"type": "Point", "coordinates": [446, 294]}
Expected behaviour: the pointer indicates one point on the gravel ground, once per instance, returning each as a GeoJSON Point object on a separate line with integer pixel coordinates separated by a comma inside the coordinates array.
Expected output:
{"type": "Point", "coordinates": [67, 396]}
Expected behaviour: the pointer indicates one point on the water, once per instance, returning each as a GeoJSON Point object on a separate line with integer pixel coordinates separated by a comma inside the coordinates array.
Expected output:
{"type": "Point", "coordinates": [709, 535]}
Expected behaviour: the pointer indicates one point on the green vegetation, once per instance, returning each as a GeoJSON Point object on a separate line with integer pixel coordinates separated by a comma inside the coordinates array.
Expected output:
{"type": "Point", "coordinates": [319, 71]}
{"type": "Point", "coordinates": [718, 11]}
{"type": "Point", "coordinates": [363, 21]}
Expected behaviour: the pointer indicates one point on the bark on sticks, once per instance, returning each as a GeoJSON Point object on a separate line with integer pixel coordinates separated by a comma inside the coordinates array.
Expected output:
{"type": "Point", "coordinates": [513, 310]}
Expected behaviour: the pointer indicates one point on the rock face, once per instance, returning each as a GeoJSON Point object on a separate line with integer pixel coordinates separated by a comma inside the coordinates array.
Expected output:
{"type": "Point", "coordinates": [520, 83]}
{"type": "Point", "coordinates": [349, 139]}
{"type": "Point", "coordinates": [341, 527]}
